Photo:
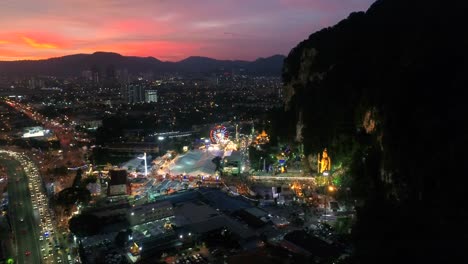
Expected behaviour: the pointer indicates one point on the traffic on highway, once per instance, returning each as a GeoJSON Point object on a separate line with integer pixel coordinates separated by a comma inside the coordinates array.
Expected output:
{"type": "Point", "coordinates": [36, 237]}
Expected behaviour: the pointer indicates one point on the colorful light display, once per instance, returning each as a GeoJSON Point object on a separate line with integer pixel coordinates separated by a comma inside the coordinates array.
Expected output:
{"type": "Point", "coordinates": [218, 134]}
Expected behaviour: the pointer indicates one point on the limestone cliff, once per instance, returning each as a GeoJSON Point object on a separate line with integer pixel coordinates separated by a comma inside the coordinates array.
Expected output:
{"type": "Point", "coordinates": [385, 89]}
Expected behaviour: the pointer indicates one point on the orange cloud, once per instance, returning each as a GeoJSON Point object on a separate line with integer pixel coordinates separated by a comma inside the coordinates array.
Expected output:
{"type": "Point", "coordinates": [35, 44]}
{"type": "Point", "coordinates": [4, 42]}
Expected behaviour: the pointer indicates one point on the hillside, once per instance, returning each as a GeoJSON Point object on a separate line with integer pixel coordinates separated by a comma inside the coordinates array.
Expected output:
{"type": "Point", "coordinates": [383, 91]}
{"type": "Point", "coordinates": [74, 64]}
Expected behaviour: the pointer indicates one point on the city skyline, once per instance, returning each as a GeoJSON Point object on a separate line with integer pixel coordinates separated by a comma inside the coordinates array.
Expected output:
{"type": "Point", "coordinates": [167, 30]}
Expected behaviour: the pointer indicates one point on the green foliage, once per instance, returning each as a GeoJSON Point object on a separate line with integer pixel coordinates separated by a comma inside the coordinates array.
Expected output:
{"type": "Point", "coordinates": [84, 225]}
{"type": "Point", "coordinates": [386, 63]}
{"type": "Point", "coordinates": [77, 180]}
{"type": "Point", "coordinates": [217, 161]}
{"type": "Point", "coordinates": [343, 225]}
{"type": "Point", "coordinates": [122, 237]}
{"type": "Point", "coordinates": [70, 196]}
{"type": "Point", "coordinates": [337, 181]}
{"type": "Point", "coordinates": [257, 157]}
{"type": "Point", "coordinates": [89, 179]}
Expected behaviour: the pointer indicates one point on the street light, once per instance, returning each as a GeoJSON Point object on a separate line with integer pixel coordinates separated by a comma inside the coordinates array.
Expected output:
{"type": "Point", "coordinates": [330, 189]}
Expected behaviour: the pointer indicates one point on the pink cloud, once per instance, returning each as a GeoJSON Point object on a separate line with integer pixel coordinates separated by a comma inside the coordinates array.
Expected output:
{"type": "Point", "coordinates": [171, 29]}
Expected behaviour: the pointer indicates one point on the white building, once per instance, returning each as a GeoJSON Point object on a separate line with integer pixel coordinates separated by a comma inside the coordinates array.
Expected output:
{"type": "Point", "coordinates": [151, 96]}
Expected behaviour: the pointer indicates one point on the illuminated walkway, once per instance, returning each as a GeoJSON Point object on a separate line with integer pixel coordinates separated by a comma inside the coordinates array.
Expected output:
{"type": "Point", "coordinates": [282, 178]}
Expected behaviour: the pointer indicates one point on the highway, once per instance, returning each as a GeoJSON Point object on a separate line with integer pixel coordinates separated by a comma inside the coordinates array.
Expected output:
{"type": "Point", "coordinates": [21, 214]}
{"type": "Point", "coordinates": [65, 133]}
{"type": "Point", "coordinates": [36, 238]}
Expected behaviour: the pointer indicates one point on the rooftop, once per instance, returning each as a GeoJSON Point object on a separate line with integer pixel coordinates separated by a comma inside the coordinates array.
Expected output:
{"type": "Point", "coordinates": [193, 212]}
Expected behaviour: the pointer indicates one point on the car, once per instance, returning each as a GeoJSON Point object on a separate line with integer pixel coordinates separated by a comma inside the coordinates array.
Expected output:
{"type": "Point", "coordinates": [27, 253]}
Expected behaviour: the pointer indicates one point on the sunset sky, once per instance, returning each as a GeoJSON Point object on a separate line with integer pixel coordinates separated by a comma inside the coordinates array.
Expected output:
{"type": "Point", "coordinates": [166, 29]}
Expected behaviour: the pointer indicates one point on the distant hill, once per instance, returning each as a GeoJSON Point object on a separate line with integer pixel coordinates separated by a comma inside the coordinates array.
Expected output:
{"type": "Point", "coordinates": [74, 64]}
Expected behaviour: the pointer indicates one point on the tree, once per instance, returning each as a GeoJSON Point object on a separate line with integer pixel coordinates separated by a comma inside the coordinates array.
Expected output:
{"type": "Point", "coordinates": [89, 179]}
{"type": "Point", "coordinates": [77, 180]}
{"type": "Point", "coordinates": [70, 196]}
{"type": "Point", "coordinates": [217, 161]}
{"type": "Point", "coordinates": [122, 237]}
{"type": "Point", "coordinates": [84, 225]}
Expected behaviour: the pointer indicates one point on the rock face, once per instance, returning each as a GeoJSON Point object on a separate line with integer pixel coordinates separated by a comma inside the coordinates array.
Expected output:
{"type": "Point", "coordinates": [384, 90]}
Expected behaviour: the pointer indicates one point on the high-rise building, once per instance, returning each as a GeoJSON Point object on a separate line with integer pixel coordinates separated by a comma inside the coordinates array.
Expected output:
{"type": "Point", "coordinates": [32, 83]}
{"type": "Point", "coordinates": [151, 96]}
{"type": "Point", "coordinates": [135, 93]}
{"type": "Point", "coordinates": [96, 77]}
{"type": "Point", "coordinates": [87, 75]}
{"type": "Point", "coordinates": [118, 182]}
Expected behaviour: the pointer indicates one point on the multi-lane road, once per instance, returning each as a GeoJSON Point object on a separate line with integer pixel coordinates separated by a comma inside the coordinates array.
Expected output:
{"type": "Point", "coordinates": [21, 215]}
{"type": "Point", "coordinates": [65, 133]}
{"type": "Point", "coordinates": [35, 236]}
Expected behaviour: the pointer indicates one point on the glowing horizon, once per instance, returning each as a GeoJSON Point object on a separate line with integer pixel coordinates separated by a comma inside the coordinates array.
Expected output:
{"type": "Point", "coordinates": [167, 30]}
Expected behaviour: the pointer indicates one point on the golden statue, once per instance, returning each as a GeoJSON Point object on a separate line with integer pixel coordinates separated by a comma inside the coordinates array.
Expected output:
{"type": "Point", "coordinates": [135, 249]}
{"type": "Point", "coordinates": [168, 226]}
{"type": "Point", "coordinates": [324, 163]}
